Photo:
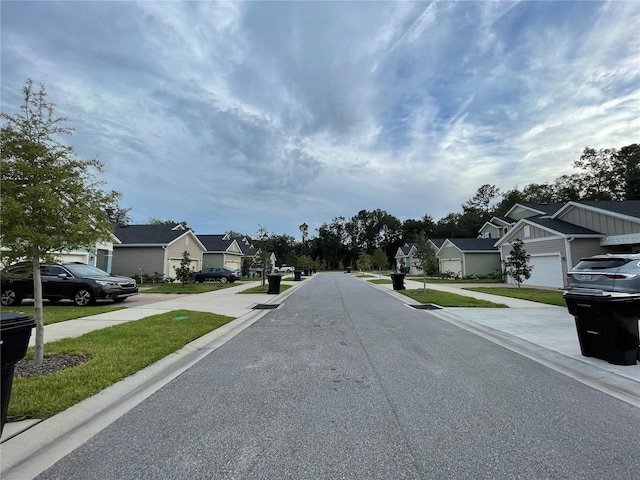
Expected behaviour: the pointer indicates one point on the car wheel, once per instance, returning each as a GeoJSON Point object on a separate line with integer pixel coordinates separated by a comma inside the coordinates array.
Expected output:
{"type": "Point", "coordinates": [83, 297]}
{"type": "Point", "coordinates": [10, 298]}
{"type": "Point", "coordinates": [223, 280]}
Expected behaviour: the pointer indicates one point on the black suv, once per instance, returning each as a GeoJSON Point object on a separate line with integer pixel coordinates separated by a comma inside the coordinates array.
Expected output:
{"type": "Point", "coordinates": [83, 284]}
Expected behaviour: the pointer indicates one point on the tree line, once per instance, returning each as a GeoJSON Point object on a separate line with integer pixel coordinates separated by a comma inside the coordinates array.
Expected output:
{"type": "Point", "coordinates": [603, 174]}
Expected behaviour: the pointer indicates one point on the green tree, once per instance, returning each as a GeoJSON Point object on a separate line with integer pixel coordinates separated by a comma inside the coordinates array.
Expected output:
{"type": "Point", "coordinates": [379, 259]}
{"type": "Point", "coordinates": [363, 262]}
{"type": "Point", "coordinates": [517, 265]}
{"type": "Point", "coordinates": [628, 169]}
{"type": "Point", "coordinates": [425, 258]}
{"type": "Point", "coordinates": [184, 273]}
{"type": "Point", "coordinates": [51, 199]}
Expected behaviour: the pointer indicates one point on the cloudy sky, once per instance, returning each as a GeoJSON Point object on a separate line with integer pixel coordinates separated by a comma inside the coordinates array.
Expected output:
{"type": "Point", "coordinates": [231, 115]}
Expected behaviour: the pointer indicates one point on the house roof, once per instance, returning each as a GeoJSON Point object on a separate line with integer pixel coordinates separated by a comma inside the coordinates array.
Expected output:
{"type": "Point", "coordinates": [437, 241]}
{"type": "Point", "coordinates": [562, 227]}
{"type": "Point", "coordinates": [474, 244]}
{"type": "Point", "coordinates": [148, 234]}
{"type": "Point", "coordinates": [545, 208]}
{"type": "Point", "coordinates": [215, 243]}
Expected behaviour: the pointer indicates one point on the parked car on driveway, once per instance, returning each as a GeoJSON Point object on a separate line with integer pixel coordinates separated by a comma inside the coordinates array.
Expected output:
{"type": "Point", "coordinates": [283, 269]}
{"type": "Point", "coordinates": [610, 272]}
{"type": "Point", "coordinates": [256, 270]}
{"type": "Point", "coordinates": [220, 274]}
{"type": "Point", "coordinates": [83, 284]}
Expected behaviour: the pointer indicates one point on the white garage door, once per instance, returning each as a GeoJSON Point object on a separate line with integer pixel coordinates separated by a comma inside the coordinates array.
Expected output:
{"type": "Point", "coordinates": [547, 271]}
{"type": "Point", "coordinates": [452, 265]}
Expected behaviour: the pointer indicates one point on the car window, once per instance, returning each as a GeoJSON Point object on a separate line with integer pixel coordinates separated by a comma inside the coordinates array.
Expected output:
{"type": "Point", "coordinates": [82, 270]}
{"type": "Point", "coordinates": [52, 270]}
{"type": "Point", "coordinates": [601, 263]}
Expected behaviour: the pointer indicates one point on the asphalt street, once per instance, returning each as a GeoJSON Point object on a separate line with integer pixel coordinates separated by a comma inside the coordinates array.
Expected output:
{"type": "Point", "coordinates": [343, 381]}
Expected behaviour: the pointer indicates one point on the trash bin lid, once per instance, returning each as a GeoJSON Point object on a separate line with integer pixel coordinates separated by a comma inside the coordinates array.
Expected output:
{"type": "Point", "coordinates": [10, 321]}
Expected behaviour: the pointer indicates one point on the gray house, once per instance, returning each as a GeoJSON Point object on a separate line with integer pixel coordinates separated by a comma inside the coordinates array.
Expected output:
{"type": "Point", "coordinates": [149, 249]}
{"type": "Point", "coordinates": [221, 251]}
{"type": "Point", "coordinates": [557, 236]}
{"type": "Point", "coordinates": [465, 257]}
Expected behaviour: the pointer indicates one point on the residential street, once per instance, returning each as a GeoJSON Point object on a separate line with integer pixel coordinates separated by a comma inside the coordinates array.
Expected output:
{"type": "Point", "coordinates": [344, 381]}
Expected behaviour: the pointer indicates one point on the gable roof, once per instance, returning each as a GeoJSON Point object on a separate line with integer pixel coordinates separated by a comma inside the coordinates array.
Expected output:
{"type": "Point", "coordinates": [536, 208]}
{"type": "Point", "coordinates": [480, 245]}
{"type": "Point", "coordinates": [562, 227]}
{"type": "Point", "coordinates": [553, 225]}
{"type": "Point", "coordinates": [149, 234]}
{"type": "Point", "coordinates": [437, 241]}
{"type": "Point", "coordinates": [217, 243]}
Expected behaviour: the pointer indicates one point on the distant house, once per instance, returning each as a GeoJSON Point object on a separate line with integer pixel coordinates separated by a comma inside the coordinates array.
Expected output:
{"type": "Point", "coordinates": [464, 257]}
{"type": "Point", "coordinates": [100, 256]}
{"type": "Point", "coordinates": [221, 251]}
{"type": "Point", "coordinates": [557, 236]}
{"type": "Point", "coordinates": [405, 255]}
{"type": "Point", "coordinates": [149, 249]}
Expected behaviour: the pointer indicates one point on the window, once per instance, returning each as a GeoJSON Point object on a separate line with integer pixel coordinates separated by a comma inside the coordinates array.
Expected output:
{"type": "Point", "coordinates": [527, 231]}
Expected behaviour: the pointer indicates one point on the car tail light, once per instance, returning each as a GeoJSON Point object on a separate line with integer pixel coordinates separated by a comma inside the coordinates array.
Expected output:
{"type": "Point", "coordinates": [618, 276]}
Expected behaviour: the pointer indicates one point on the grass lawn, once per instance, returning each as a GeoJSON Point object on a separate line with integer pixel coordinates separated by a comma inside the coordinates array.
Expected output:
{"type": "Point", "coordinates": [417, 278]}
{"type": "Point", "coordinates": [61, 312]}
{"type": "Point", "coordinates": [265, 289]}
{"type": "Point", "coordinates": [551, 297]}
{"type": "Point", "coordinates": [445, 299]}
{"type": "Point", "coordinates": [115, 353]}
{"type": "Point", "coordinates": [381, 281]}
{"type": "Point", "coordinates": [186, 289]}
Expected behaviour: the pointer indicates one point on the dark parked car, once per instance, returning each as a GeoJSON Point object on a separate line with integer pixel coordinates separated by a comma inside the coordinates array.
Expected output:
{"type": "Point", "coordinates": [611, 273]}
{"type": "Point", "coordinates": [220, 274]}
{"type": "Point", "coordinates": [83, 284]}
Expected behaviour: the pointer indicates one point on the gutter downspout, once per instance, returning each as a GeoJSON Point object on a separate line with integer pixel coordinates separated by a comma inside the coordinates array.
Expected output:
{"type": "Point", "coordinates": [165, 262]}
{"type": "Point", "coordinates": [569, 260]}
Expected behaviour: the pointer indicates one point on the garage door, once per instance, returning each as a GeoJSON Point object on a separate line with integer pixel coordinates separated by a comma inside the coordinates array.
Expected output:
{"type": "Point", "coordinates": [547, 271]}
{"type": "Point", "coordinates": [452, 265]}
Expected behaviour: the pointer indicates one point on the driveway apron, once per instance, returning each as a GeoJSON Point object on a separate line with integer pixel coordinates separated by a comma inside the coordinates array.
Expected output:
{"type": "Point", "coordinates": [345, 381]}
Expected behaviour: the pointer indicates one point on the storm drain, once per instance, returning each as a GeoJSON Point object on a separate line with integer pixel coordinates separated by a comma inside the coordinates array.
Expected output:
{"type": "Point", "coordinates": [265, 306]}
{"type": "Point", "coordinates": [426, 306]}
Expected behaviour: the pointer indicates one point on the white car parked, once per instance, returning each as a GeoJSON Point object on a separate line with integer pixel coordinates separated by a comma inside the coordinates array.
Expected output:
{"type": "Point", "coordinates": [283, 269]}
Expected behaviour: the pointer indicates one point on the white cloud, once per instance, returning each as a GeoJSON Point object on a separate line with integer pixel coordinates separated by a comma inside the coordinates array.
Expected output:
{"type": "Point", "coordinates": [268, 112]}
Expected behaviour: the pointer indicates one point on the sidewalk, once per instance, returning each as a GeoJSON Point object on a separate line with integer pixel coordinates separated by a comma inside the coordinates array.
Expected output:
{"type": "Point", "coordinates": [222, 302]}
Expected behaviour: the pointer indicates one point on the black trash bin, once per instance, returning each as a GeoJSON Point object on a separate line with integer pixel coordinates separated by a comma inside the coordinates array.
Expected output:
{"type": "Point", "coordinates": [607, 324]}
{"type": "Point", "coordinates": [297, 275]}
{"type": "Point", "coordinates": [274, 284]}
{"type": "Point", "coordinates": [398, 281]}
{"type": "Point", "coordinates": [15, 331]}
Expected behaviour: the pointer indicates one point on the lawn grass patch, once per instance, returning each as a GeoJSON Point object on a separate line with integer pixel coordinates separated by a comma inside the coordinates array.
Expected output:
{"type": "Point", "coordinates": [446, 299]}
{"type": "Point", "coordinates": [60, 312]}
{"type": "Point", "coordinates": [418, 278]}
{"type": "Point", "coordinates": [550, 297]}
{"type": "Point", "coordinates": [189, 288]}
{"type": "Point", "coordinates": [381, 281]}
{"type": "Point", "coordinates": [115, 353]}
{"type": "Point", "coordinates": [265, 289]}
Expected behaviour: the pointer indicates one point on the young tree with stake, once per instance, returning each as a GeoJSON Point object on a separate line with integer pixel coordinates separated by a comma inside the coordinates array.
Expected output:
{"type": "Point", "coordinates": [518, 266]}
{"type": "Point", "coordinates": [51, 200]}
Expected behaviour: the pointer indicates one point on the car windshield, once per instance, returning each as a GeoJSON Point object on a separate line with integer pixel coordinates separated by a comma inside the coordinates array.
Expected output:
{"type": "Point", "coordinates": [601, 263]}
{"type": "Point", "coordinates": [80, 270]}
